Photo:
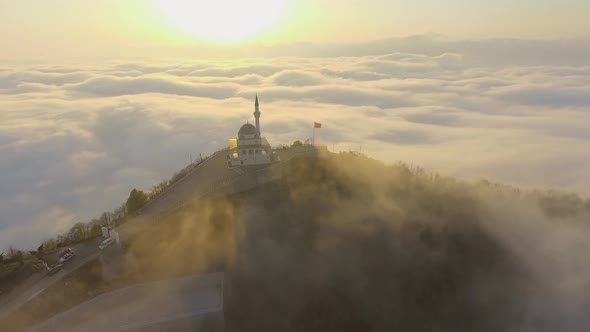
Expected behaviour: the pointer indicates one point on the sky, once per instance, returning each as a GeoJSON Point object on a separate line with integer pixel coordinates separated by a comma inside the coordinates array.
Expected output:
{"type": "Point", "coordinates": [100, 97]}
{"type": "Point", "coordinates": [68, 28]}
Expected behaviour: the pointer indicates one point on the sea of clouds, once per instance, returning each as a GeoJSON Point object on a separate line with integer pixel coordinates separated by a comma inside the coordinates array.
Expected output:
{"type": "Point", "coordinates": [75, 138]}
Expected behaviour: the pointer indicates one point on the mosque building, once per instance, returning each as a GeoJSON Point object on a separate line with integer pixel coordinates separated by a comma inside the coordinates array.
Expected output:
{"type": "Point", "coordinates": [249, 148]}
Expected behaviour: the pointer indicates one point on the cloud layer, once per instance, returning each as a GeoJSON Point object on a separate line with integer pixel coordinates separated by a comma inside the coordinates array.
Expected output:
{"type": "Point", "coordinates": [75, 139]}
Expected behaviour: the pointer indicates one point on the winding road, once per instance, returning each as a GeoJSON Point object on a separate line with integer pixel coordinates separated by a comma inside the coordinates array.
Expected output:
{"type": "Point", "coordinates": [85, 252]}
{"type": "Point", "coordinates": [201, 180]}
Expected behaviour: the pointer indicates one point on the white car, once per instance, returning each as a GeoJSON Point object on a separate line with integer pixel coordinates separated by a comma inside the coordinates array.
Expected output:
{"type": "Point", "coordinates": [105, 243]}
{"type": "Point", "coordinates": [66, 257]}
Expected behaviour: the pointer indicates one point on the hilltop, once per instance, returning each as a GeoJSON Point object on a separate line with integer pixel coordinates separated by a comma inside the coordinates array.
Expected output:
{"type": "Point", "coordinates": [342, 242]}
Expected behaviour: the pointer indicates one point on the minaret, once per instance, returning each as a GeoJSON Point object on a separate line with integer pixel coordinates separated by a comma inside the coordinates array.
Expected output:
{"type": "Point", "coordinates": [257, 115]}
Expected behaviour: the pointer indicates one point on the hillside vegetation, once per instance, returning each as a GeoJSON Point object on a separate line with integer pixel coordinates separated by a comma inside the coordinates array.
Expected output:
{"type": "Point", "coordinates": [346, 243]}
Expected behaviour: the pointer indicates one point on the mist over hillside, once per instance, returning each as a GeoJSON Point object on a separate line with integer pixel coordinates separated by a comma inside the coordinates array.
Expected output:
{"type": "Point", "coordinates": [346, 243]}
{"type": "Point", "coordinates": [238, 165]}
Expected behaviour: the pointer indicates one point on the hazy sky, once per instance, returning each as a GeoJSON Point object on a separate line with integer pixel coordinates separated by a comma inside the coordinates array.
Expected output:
{"type": "Point", "coordinates": [84, 27]}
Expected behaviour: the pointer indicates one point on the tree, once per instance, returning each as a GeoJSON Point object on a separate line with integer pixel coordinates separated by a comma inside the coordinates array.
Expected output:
{"type": "Point", "coordinates": [106, 219]}
{"type": "Point", "coordinates": [157, 189]}
{"type": "Point", "coordinates": [40, 251]}
{"type": "Point", "coordinates": [61, 240]}
{"type": "Point", "coordinates": [120, 212]}
{"type": "Point", "coordinates": [77, 232]}
{"type": "Point", "coordinates": [12, 252]}
{"type": "Point", "coordinates": [95, 230]}
{"type": "Point", "coordinates": [136, 200]}
{"type": "Point", "coordinates": [19, 257]}
{"type": "Point", "coordinates": [297, 143]}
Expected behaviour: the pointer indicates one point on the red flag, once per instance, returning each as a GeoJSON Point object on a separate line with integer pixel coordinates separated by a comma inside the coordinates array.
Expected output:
{"type": "Point", "coordinates": [317, 125]}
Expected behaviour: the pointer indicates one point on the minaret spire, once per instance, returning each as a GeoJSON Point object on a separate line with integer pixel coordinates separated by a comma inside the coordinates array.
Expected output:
{"type": "Point", "coordinates": [257, 115]}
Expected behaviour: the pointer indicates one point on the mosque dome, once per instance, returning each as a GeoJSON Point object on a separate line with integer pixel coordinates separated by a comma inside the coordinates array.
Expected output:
{"type": "Point", "coordinates": [247, 129]}
{"type": "Point", "coordinates": [249, 148]}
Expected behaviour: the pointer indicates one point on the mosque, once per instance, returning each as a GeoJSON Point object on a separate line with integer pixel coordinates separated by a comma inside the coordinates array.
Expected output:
{"type": "Point", "coordinates": [249, 148]}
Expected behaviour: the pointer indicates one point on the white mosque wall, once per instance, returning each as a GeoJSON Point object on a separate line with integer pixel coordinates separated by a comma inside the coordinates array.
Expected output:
{"type": "Point", "coordinates": [249, 142]}
{"type": "Point", "coordinates": [250, 156]}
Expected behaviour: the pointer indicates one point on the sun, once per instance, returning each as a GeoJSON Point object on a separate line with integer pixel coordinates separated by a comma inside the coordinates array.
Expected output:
{"type": "Point", "coordinates": [223, 20]}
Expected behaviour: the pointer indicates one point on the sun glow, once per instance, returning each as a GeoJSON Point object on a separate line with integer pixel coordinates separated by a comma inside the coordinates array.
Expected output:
{"type": "Point", "coordinates": [223, 20]}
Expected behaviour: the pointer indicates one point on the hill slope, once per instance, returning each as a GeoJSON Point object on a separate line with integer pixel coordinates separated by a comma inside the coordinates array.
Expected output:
{"type": "Point", "coordinates": [345, 243]}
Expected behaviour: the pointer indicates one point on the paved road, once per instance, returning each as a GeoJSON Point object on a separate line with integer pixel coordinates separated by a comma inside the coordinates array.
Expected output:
{"type": "Point", "coordinates": [200, 181]}
{"type": "Point", "coordinates": [156, 305]}
{"type": "Point", "coordinates": [204, 178]}
{"type": "Point", "coordinates": [85, 252]}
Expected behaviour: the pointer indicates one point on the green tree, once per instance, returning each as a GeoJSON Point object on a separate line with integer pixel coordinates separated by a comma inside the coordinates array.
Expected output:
{"type": "Point", "coordinates": [40, 251]}
{"type": "Point", "coordinates": [77, 232]}
{"type": "Point", "coordinates": [95, 230]}
{"type": "Point", "coordinates": [106, 219]}
{"type": "Point", "coordinates": [136, 200]}
{"type": "Point", "coordinates": [297, 143]}
{"type": "Point", "coordinates": [120, 212]}
{"type": "Point", "coordinates": [61, 240]}
{"type": "Point", "coordinates": [20, 257]}
{"type": "Point", "coordinates": [158, 189]}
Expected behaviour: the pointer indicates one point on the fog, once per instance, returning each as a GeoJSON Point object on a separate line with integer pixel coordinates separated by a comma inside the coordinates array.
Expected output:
{"type": "Point", "coordinates": [77, 136]}
{"type": "Point", "coordinates": [346, 243]}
